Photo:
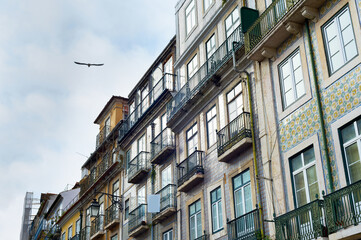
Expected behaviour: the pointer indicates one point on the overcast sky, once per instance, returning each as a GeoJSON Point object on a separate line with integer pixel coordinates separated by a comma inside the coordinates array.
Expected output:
{"type": "Point", "coordinates": [47, 103]}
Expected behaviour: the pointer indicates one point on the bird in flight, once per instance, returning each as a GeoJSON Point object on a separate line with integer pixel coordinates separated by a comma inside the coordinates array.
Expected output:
{"type": "Point", "coordinates": [90, 64]}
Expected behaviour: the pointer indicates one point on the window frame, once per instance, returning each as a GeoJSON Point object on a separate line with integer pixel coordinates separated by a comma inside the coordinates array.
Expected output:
{"type": "Point", "coordinates": [195, 215]}
{"type": "Point", "coordinates": [241, 188]}
{"type": "Point", "coordinates": [192, 11]}
{"type": "Point", "coordinates": [194, 67]}
{"type": "Point", "coordinates": [214, 121]}
{"type": "Point", "coordinates": [226, 31]}
{"type": "Point", "coordinates": [218, 203]}
{"type": "Point", "coordinates": [234, 98]}
{"type": "Point", "coordinates": [213, 48]}
{"type": "Point", "coordinates": [288, 60]}
{"type": "Point", "coordinates": [168, 233]}
{"type": "Point", "coordinates": [194, 135]}
{"type": "Point", "coordinates": [335, 17]}
{"type": "Point", "coordinates": [70, 231]}
{"type": "Point", "coordinates": [205, 9]}
{"type": "Point", "coordinates": [126, 209]}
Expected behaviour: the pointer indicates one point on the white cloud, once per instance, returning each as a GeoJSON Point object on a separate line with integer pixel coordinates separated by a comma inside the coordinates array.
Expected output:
{"type": "Point", "coordinates": [47, 103]}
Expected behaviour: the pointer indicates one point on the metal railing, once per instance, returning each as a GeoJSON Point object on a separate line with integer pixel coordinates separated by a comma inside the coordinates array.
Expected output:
{"type": "Point", "coordinates": [343, 207]}
{"type": "Point", "coordinates": [53, 232]}
{"type": "Point", "coordinates": [203, 237]}
{"type": "Point", "coordinates": [96, 173]}
{"type": "Point", "coordinates": [139, 163]}
{"type": "Point", "coordinates": [102, 135]}
{"type": "Point", "coordinates": [111, 214]}
{"type": "Point", "coordinates": [222, 54]}
{"type": "Point", "coordinates": [165, 83]}
{"type": "Point", "coordinates": [246, 226]}
{"type": "Point", "coordinates": [75, 237]}
{"type": "Point", "coordinates": [97, 224]}
{"type": "Point", "coordinates": [305, 222]}
{"type": "Point", "coordinates": [137, 217]}
{"type": "Point", "coordinates": [266, 22]}
{"type": "Point", "coordinates": [236, 130]}
{"type": "Point", "coordinates": [85, 233]}
{"type": "Point", "coordinates": [167, 197]}
{"type": "Point", "coordinates": [161, 141]}
{"type": "Point", "coordinates": [190, 166]}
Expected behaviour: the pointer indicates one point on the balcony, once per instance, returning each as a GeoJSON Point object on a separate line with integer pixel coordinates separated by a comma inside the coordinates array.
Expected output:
{"type": "Point", "coordinates": [205, 75]}
{"type": "Point", "coordinates": [97, 227]}
{"type": "Point", "coordinates": [138, 167]}
{"type": "Point", "coordinates": [111, 216]}
{"type": "Point", "coordinates": [203, 237]}
{"type": "Point", "coordinates": [305, 222]}
{"type": "Point", "coordinates": [138, 221]}
{"type": "Point", "coordinates": [53, 233]}
{"type": "Point", "coordinates": [162, 145]}
{"type": "Point", "coordinates": [234, 137]}
{"type": "Point", "coordinates": [167, 203]}
{"type": "Point", "coordinates": [277, 23]}
{"type": "Point", "coordinates": [75, 237]}
{"type": "Point", "coordinates": [102, 135]}
{"type": "Point", "coordinates": [86, 183]}
{"type": "Point", "coordinates": [343, 207]}
{"type": "Point", "coordinates": [246, 226]}
{"type": "Point", "coordinates": [190, 171]}
{"type": "Point", "coordinates": [166, 83]}
{"type": "Point", "coordinates": [85, 233]}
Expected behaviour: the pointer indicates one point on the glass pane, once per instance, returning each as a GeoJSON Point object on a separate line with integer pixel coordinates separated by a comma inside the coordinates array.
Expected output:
{"type": "Point", "coordinates": [199, 225]}
{"type": "Point", "coordinates": [296, 162]}
{"type": "Point", "coordinates": [214, 216]}
{"type": "Point", "coordinates": [350, 50]}
{"type": "Point", "coordinates": [220, 217]}
{"type": "Point", "coordinates": [289, 97]}
{"type": "Point", "coordinates": [299, 181]}
{"type": "Point", "coordinates": [238, 203]}
{"type": "Point", "coordinates": [352, 153]}
{"type": "Point", "coordinates": [348, 133]}
{"type": "Point", "coordinates": [334, 46]}
{"type": "Point", "coordinates": [355, 172]}
{"type": "Point", "coordinates": [309, 156]}
{"type": "Point", "coordinates": [246, 177]}
{"type": "Point", "coordinates": [298, 75]}
{"type": "Point", "coordinates": [313, 190]}
{"type": "Point", "coordinates": [193, 227]}
{"type": "Point", "coordinates": [344, 19]}
{"type": "Point", "coordinates": [337, 61]}
{"type": "Point", "coordinates": [300, 89]}
{"type": "Point", "coordinates": [301, 197]}
{"type": "Point", "coordinates": [359, 127]}
{"type": "Point", "coordinates": [285, 70]}
{"type": "Point", "coordinates": [237, 181]}
{"type": "Point", "coordinates": [198, 206]}
{"type": "Point", "coordinates": [312, 182]}
{"type": "Point", "coordinates": [213, 196]}
{"type": "Point", "coordinates": [331, 30]}
{"type": "Point", "coordinates": [192, 209]}
{"type": "Point", "coordinates": [347, 35]}
{"type": "Point", "coordinates": [248, 198]}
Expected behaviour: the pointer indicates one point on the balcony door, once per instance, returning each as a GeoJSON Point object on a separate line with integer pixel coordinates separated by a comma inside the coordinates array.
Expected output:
{"type": "Point", "coordinates": [242, 203]}
{"type": "Point", "coordinates": [107, 126]}
{"type": "Point", "coordinates": [235, 109]}
{"type": "Point", "coordinates": [166, 176]}
{"type": "Point", "coordinates": [168, 69]}
{"type": "Point", "coordinates": [157, 82]}
{"type": "Point", "coordinates": [101, 213]}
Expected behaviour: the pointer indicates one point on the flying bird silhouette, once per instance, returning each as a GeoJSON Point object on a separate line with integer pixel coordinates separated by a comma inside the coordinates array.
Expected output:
{"type": "Point", "coordinates": [90, 64]}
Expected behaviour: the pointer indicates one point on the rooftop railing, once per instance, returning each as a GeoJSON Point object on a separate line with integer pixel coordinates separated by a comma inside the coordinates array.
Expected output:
{"type": "Point", "coordinates": [236, 130]}
{"type": "Point", "coordinates": [343, 207]}
{"type": "Point", "coordinates": [205, 72]}
{"type": "Point", "coordinates": [305, 222]}
{"type": "Point", "coordinates": [266, 22]}
{"type": "Point", "coordinates": [190, 166]}
{"type": "Point", "coordinates": [165, 83]}
{"type": "Point", "coordinates": [137, 217]}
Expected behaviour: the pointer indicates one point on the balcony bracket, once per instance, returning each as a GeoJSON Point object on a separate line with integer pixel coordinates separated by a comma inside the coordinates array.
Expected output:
{"type": "Point", "coordinates": [310, 13]}
{"type": "Point", "coordinates": [294, 28]}
{"type": "Point", "coordinates": [268, 52]}
{"type": "Point", "coordinates": [216, 80]}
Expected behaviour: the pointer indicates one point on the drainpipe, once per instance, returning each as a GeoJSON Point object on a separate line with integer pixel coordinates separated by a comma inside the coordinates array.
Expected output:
{"type": "Point", "coordinates": [319, 107]}
{"type": "Point", "coordinates": [253, 137]}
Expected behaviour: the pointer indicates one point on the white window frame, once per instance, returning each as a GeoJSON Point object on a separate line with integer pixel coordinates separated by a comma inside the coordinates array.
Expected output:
{"type": "Point", "coordinates": [340, 40]}
{"type": "Point", "coordinates": [192, 139]}
{"type": "Point", "coordinates": [242, 190]}
{"type": "Point", "coordinates": [141, 195]}
{"type": "Point", "coordinates": [190, 17]}
{"type": "Point", "coordinates": [235, 21]}
{"type": "Point", "coordinates": [232, 97]}
{"type": "Point", "coordinates": [192, 67]}
{"type": "Point", "coordinates": [166, 176]}
{"type": "Point", "coordinates": [168, 235]}
{"type": "Point", "coordinates": [210, 46]}
{"type": "Point", "coordinates": [195, 216]}
{"type": "Point", "coordinates": [217, 215]}
{"type": "Point", "coordinates": [211, 119]}
{"type": "Point", "coordinates": [207, 4]}
{"type": "Point", "coordinates": [289, 62]}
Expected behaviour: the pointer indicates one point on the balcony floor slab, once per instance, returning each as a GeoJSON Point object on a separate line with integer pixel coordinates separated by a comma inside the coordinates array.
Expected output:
{"type": "Point", "coordinates": [187, 185]}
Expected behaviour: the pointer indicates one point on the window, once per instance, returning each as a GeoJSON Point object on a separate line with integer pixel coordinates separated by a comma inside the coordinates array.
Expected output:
{"type": "Point", "coordinates": [190, 16]}
{"type": "Point", "coordinates": [163, 122]}
{"type": "Point", "coordinates": [70, 232]}
{"type": "Point", "coordinates": [195, 220]}
{"type": "Point", "coordinates": [291, 77]}
{"type": "Point", "coordinates": [115, 237]}
{"type": "Point", "coordinates": [216, 201]}
{"type": "Point", "coordinates": [232, 22]}
{"type": "Point", "coordinates": [101, 210]}
{"type": "Point", "coordinates": [192, 67]}
{"type": "Point", "coordinates": [126, 209]}
{"type": "Point", "coordinates": [132, 113]}
{"type": "Point", "coordinates": [211, 118]}
{"type": "Point", "coordinates": [166, 176]}
{"type": "Point", "coordinates": [116, 189]}
{"type": "Point", "coordinates": [77, 226]}
{"type": "Point", "coordinates": [168, 235]}
{"type": "Point", "coordinates": [242, 193]}
{"type": "Point", "coordinates": [235, 102]}
{"type": "Point", "coordinates": [141, 195]}
{"type": "Point", "coordinates": [192, 139]}
{"type": "Point", "coordinates": [107, 126]}
{"type": "Point", "coordinates": [63, 236]}
{"type": "Point", "coordinates": [339, 39]}
{"type": "Point", "coordinates": [305, 185]}
{"type": "Point", "coordinates": [145, 99]}
{"type": "Point", "coordinates": [128, 156]}
{"type": "Point", "coordinates": [207, 4]}
{"type": "Point", "coordinates": [210, 46]}
{"type": "Point", "coordinates": [87, 224]}
{"type": "Point", "coordinates": [351, 145]}
{"type": "Point", "coordinates": [141, 144]}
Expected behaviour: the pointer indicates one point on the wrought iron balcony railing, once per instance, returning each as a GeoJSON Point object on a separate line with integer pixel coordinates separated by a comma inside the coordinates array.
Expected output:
{"type": "Point", "coordinates": [53, 232]}
{"type": "Point", "coordinates": [111, 214]}
{"type": "Point", "coordinates": [305, 222]}
{"type": "Point", "coordinates": [203, 237]}
{"type": "Point", "coordinates": [96, 173]}
{"type": "Point", "coordinates": [97, 225]}
{"type": "Point", "coordinates": [102, 135]}
{"type": "Point", "coordinates": [167, 197]}
{"type": "Point", "coordinates": [163, 141]}
{"type": "Point", "coordinates": [137, 217]}
{"type": "Point", "coordinates": [85, 233]}
{"type": "Point", "coordinates": [222, 54]}
{"type": "Point", "coordinates": [190, 166]}
{"type": "Point", "coordinates": [246, 226]}
{"type": "Point", "coordinates": [138, 164]}
{"type": "Point", "coordinates": [267, 21]}
{"type": "Point", "coordinates": [75, 237]}
{"type": "Point", "coordinates": [343, 207]}
{"type": "Point", "coordinates": [165, 83]}
{"type": "Point", "coordinates": [234, 132]}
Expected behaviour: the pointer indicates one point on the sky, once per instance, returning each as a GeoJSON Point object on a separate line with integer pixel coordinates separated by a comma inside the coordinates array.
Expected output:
{"type": "Point", "coordinates": [47, 103]}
